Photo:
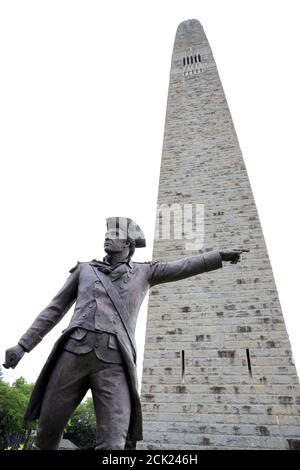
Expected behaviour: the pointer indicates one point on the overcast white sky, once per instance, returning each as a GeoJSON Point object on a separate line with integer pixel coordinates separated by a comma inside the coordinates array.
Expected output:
{"type": "Point", "coordinates": [83, 92]}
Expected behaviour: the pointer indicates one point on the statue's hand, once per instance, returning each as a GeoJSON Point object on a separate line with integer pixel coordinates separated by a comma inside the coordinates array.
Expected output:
{"type": "Point", "coordinates": [13, 356]}
{"type": "Point", "coordinates": [232, 256]}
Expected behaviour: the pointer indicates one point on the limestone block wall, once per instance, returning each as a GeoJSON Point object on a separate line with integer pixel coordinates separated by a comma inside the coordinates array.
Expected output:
{"type": "Point", "coordinates": [218, 370]}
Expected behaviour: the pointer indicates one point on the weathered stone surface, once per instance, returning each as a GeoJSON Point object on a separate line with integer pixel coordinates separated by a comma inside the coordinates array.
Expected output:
{"type": "Point", "coordinates": [217, 316]}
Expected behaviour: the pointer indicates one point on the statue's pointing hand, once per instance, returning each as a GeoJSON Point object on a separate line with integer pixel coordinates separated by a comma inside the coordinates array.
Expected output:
{"type": "Point", "coordinates": [13, 356]}
{"type": "Point", "coordinates": [233, 256]}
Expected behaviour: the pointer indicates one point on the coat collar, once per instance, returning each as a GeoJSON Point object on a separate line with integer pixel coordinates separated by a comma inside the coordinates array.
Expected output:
{"type": "Point", "coordinates": [127, 261]}
{"type": "Point", "coordinates": [96, 263]}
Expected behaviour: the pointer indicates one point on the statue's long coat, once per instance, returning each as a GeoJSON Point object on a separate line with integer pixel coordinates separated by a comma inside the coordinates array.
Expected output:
{"type": "Point", "coordinates": [132, 283]}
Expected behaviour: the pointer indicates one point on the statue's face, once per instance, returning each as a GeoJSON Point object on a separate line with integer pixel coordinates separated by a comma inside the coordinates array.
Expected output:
{"type": "Point", "coordinates": [112, 242]}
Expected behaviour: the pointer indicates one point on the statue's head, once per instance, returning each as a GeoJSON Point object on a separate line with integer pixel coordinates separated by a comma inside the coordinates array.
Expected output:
{"type": "Point", "coordinates": [123, 234]}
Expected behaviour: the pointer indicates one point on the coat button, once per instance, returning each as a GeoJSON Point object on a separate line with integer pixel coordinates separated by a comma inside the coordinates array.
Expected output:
{"type": "Point", "coordinates": [91, 305]}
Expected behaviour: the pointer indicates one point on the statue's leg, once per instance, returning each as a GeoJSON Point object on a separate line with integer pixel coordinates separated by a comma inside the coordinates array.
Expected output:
{"type": "Point", "coordinates": [112, 405]}
{"type": "Point", "coordinates": [67, 386]}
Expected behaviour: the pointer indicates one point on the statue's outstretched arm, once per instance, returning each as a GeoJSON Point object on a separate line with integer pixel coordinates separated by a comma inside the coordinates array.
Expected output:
{"type": "Point", "coordinates": [190, 266]}
{"type": "Point", "coordinates": [186, 267]}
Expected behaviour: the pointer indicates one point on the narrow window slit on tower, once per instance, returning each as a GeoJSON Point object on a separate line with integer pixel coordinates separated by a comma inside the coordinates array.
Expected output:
{"type": "Point", "coordinates": [249, 362]}
{"type": "Point", "coordinates": [192, 60]}
{"type": "Point", "coordinates": [195, 57]}
{"type": "Point", "coordinates": [199, 57]}
{"type": "Point", "coordinates": [188, 60]}
{"type": "Point", "coordinates": [184, 61]}
{"type": "Point", "coordinates": [182, 366]}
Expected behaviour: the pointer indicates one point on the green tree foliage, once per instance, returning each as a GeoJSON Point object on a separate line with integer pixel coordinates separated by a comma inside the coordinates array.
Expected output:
{"type": "Point", "coordinates": [12, 406]}
{"type": "Point", "coordinates": [22, 386]}
{"type": "Point", "coordinates": [81, 428]}
{"type": "Point", "coordinates": [13, 402]}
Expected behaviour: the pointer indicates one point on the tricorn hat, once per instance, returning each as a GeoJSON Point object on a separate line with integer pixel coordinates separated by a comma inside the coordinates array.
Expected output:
{"type": "Point", "coordinates": [127, 227]}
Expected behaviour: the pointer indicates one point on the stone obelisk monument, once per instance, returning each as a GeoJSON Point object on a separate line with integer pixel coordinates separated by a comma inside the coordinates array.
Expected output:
{"type": "Point", "coordinates": [218, 370]}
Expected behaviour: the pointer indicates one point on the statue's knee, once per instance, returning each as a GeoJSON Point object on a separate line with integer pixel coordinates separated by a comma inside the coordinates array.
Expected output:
{"type": "Point", "coordinates": [47, 440]}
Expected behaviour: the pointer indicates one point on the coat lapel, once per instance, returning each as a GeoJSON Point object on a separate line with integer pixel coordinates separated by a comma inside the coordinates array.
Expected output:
{"type": "Point", "coordinates": [119, 306]}
{"type": "Point", "coordinates": [118, 272]}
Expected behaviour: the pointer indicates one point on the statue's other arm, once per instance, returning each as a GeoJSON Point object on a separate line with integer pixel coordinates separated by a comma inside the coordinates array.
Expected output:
{"type": "Point", "coordinates": [46, 320]}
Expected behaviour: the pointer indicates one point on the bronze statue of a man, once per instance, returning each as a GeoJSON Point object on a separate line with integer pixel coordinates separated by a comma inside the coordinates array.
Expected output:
{"type": "Point", "coordinates": [97, 351]}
